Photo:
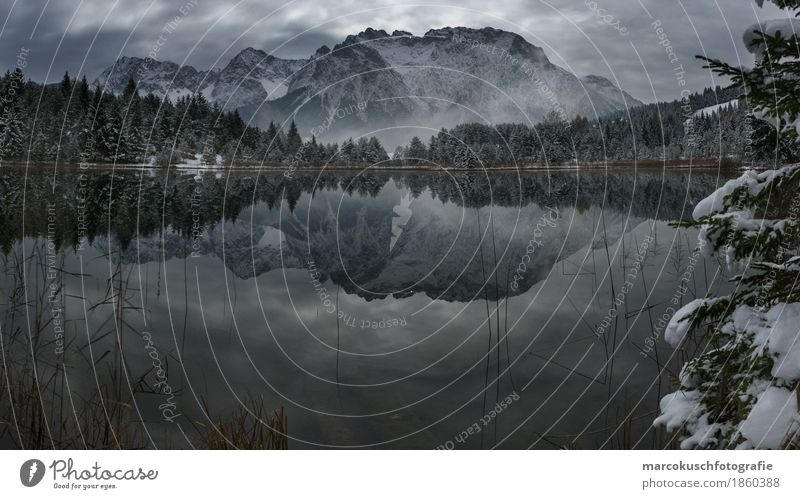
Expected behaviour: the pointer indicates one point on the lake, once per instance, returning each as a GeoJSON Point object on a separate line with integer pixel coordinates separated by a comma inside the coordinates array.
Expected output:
{"type": "Point", "coordinates": [178, 309]}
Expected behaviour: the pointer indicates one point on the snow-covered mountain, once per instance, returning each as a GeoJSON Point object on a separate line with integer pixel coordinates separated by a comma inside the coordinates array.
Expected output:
{"type": "Point", "coordinates": [374, 79]}
{"type": "Point", "coordinates": [252, 76]}
{"type": "Point", "coordinates": [384, 231]}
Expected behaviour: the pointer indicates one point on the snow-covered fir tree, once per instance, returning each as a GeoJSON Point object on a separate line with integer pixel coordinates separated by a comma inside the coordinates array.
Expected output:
{"type": "Point", "coordinates": [742, 390]}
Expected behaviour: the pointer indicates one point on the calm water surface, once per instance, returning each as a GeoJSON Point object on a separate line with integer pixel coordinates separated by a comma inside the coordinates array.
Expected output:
{"type": "Point", "coordinates": [378, 309]}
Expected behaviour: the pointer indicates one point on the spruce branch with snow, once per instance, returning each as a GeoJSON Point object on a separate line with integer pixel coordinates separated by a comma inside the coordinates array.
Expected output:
{"type": "Point", "coordinates": [771, 87]}
{"type": "Point", "coordinates": [743, 389]}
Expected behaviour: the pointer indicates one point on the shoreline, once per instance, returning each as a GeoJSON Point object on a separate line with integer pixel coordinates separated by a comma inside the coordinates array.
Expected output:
{"type": "Point", "coordinates": [648, 165]}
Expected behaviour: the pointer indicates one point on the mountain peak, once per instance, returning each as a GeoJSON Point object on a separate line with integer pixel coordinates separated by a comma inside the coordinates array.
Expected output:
{"type": "Point", "coordinates": [371, 34]}
{"type": "Point", "coordinates": [366, 35]}
{"type": "Point", "coordinates": [251, 50]}
{"type": "Point", "coordinates": [599, 80]}
{"type": "Point", "coordinates": [486, 32]}
{"type": "Point", "coordinates": [445, 70]}
{"type": "Point", "coordinates": [250, 57]}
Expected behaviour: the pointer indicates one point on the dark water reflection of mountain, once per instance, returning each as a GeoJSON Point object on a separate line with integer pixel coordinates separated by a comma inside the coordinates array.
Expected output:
{"type": "Point", "coordinates": [344, 222]}
{"type": "Point", "coordinates": [378, 309]}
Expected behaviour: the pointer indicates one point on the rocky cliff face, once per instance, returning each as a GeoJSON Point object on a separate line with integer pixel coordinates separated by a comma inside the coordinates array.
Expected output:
{"type": "Point", "coordinates": [375, 79]}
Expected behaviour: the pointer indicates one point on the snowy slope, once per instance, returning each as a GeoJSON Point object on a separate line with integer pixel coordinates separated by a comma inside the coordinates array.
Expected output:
{"type": "Point", "coordinates": [251, 77]}
{"type": "Point", "coordinates": [444, 77]}
{"type": "Point", "coordinates": [708, 111]}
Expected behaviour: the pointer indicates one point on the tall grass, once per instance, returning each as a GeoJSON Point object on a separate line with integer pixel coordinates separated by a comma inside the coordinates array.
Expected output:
{"type": "Point", "coordinates": [42, 406]}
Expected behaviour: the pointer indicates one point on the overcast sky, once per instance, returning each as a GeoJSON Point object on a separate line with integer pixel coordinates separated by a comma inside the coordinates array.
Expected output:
{"type": "Point", "coordinates": [86, 36]}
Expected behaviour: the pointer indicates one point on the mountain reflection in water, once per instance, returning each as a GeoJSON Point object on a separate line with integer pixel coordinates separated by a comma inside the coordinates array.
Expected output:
{"type": "Point", "coordinates": [378, 309]}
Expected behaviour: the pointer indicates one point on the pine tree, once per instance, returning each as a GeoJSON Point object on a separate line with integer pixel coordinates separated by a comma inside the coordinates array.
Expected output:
{"type": "Point", "coordinates": [293, 140]}
{"type": "Point", "coordinates": [742, 389]}
{"type": "Point", "coordinates": [12, 127]}
{"type": "Point", "coordinates": [84, 94]}
{"type": "Point", "coordinates": [347, 152]}
{"type": "Point", "coordinates": [374, 152]}
{"type": "Point", "coordinates": [66, 85]}
{"type": "Point", "coordinates": [433, 149]}
{"type": "Point", "coordinates": [399, 154]}
{"type": "Point", "coordinates": [268, 141]}
{"type": "Point", "coordinates": [773, 85]}
{"type": "Point", "coordinates": [417, 151]}
{"type": "Point", "coordinates": [134, 132]}
{"type": "Point", "coordinates": [130, 90]}
{"type": "Point", "coordinates": [12, 135]}
{"type": "Point", "coordinates": [464, 157]}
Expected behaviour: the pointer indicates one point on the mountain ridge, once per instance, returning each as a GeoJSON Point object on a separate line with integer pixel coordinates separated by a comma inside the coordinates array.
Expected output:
{"type": "Point", "coordinates": [447, 76]}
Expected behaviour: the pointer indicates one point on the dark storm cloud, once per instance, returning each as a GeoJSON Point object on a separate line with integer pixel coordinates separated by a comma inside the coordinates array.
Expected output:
{"type": "Point", "coordinates": [576, 34]}
{"type": "Point", "coordinates": [639, 60]}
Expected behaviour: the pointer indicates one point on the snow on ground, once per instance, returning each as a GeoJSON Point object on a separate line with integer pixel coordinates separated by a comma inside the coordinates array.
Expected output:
{"type": "Point", "coordinates": [707, 111]}
{"type": "Point", "coordinates": [208, 92]}
{"type": "Point", "coordinates": [275, 88]}
{"type": "Point", "coordinates": [197, 162]}
{"type": "Point", "coordinates": [176, 93]}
